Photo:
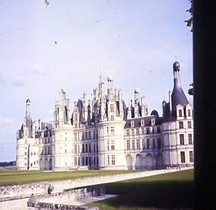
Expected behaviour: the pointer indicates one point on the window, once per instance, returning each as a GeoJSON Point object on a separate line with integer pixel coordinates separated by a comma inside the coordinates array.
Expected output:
{"type": "Point", "coordinates": [112, 118]}
{"type": "Point", "coordinates": [107, 130]}
{"type": "Point", "coordinates": [138, 144]}
{"type": "Point", "coordinates": [112, 145]}
{"type": "Point", "coordinates": [127, 132]}
{"type": "Point", "coordinates": [108, 159]}
{"type": "Point", "coordinates": [148, 130]}
{"type": "Point", "coordinates": [148, 144]}
{"type": "Point", "coordinates": [182, 154]}
{"type": "Point", "coordinates": [180, 113]}
{"type": "Point", "coordinates": [153, 143]}
{"type": "Point", "coordinates": [128, 144]}
{"type": "Point", "coordinates": [189, 112]}
{"type": "Point", "coordinates": [89, 134]}
{"type": "Point", "coordinates": [133, 144]}
{"type": "Point", "coordinates": [159, 143]}
{"type": "Point", "coordinates": [181, 139]}
{"type": "Point", "coordinates": [111, 107]}
{"type": "Point", "coordinates": [132, 124]}
{"type": "Point", "coordinates": [112, 130]}
{"type": "Point", "coordinates": [132, 131]}
{"type": "Point", "coordinates": [142, 122]}
{"type": "Point", "coordinates": [107, 145]}
{"type": "Point", "coordinates": [190, 140]}
{"type": "Point", "coordinates": [137, 131]}
{"type": "Point", "coordinates": [158, 129]}
{"type": "Point", "coordinates": [191, 156]}
{"type": "Point", "coordinates": [113, 159]}
{"type": "Point", "coordinates": [181, 125]}
{"type": "Point", "coordinates": [142, 130]}
{"type": "Point", "coordinates": [189, 124]}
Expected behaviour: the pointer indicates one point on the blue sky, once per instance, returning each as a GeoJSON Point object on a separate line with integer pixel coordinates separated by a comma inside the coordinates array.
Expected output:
{"type": "Point", "coordinates": [70, 43]}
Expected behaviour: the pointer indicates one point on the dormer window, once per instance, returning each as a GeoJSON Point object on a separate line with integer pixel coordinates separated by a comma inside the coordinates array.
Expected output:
{"type": "Point", "coordinates": [111, 107]}
{"type": "Point", "coordinates": [132, 124]}
{"type": "Point", "coordinates": [189, 113]}
{"type": "Point", "coordinates": [142, 122]}
{"type": "Point", "coordinates": [180, 113]}
{"type": "Point", "coordinates": [152, 121]}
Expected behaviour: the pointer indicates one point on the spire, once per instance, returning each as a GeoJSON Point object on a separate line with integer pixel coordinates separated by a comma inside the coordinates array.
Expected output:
{"type": "Point", "coordinates": [178, 95]}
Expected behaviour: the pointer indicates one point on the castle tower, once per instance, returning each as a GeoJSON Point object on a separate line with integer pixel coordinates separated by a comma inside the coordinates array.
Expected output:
{"type": "Point", "coordinates": [177, 132]}
{"type": "Point", "coordinates": [62, 138]}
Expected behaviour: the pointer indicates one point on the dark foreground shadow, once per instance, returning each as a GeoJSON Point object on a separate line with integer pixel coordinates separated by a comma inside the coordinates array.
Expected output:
{"type": "Point", "coordinates": [154, 194]}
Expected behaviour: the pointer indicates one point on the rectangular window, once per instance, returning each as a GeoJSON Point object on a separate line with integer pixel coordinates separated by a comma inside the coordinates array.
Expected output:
{"type": "Point", "coordinates": [191, 156]}
{"type": "Point", "coordinates": [112, 118]}
{"type": "Point", "coordinates": [127, 132]}
{"type": "Point", "coordinates": [132, 131]}
{"type": "Point", "coordinates": [108, 159]}
{"type": "Point", "coordinates": [189, 112]}
{"type": "Point", "coordinates": [142, 130]}
{"type": "Point", "coordinates": [111, 107]}
{"type": "Point", "coordinates": [112, 130]}
{"type": "Point", "coordinates": [180, 113]}
{"type": "Point", "coordinates": [159, 143]}
{"type": "Point", "coordinates": [128, 144]}
{"type": "Point", "coordinates": [142, 122]}
{"type": "Point", "coordinates": [137, 131]}
{"type": "Point", "coordinates": [138, 144]}
{"type": "Point", "coordinates": [181, 139]}
{"type": "Point", "coordinates": [133, 144]}
{"type": "Point", "coordinates": [148, 130]}
{"type": "Point", "coordinates": [158, 129]}
{"type": "Point", "coordinates": [182, 157]}
{"type": "Point", "coordinates": [107, 130]}
{"type": "Point", "coordinates": [190, 140]}
{"type": "Point", "coordinates": [132, 124]}
{"type": "Point", "coordinates": [148, 144]}
{"type": "Point", "coordinates": [113, 159]}
{"type": "Point", "coordinates": [189, 124]}
{"type": "Point", "coordinates": [112, 145]}
{"type": "Point", "coordinates": [107, 145]}
{"type": "Point", "coordinates": [181, 125]}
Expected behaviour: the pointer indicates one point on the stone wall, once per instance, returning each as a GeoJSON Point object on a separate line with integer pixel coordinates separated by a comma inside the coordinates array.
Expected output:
{"type": "Point", "coordinates": [63, 200]}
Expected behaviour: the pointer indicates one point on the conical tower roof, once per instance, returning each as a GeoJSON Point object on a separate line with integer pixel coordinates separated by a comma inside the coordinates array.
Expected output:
{"type": "Point", "coordinates": [178, 96]}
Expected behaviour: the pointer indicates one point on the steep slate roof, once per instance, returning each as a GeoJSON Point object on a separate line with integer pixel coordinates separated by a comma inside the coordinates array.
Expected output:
{"type": "Point", "coordinates": [178, 96]}
{"type": "Point", "coordinates": [147, 121]}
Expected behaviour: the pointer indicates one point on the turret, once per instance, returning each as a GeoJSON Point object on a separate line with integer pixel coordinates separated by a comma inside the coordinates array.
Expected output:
{"type": "Point", "coordinates": [178, 96]}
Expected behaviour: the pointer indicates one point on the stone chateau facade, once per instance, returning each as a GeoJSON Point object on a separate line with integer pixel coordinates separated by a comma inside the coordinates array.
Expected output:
{"type": "Point", "coordinates": [104, 133]}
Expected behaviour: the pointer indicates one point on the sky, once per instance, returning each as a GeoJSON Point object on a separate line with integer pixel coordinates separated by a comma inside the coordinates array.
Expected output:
{"type": "Point", "coordinates": [49, 45]}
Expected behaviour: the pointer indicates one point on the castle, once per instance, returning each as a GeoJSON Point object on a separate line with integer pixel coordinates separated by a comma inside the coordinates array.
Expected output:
{"type": "Point", "coordinates": [104, 133]}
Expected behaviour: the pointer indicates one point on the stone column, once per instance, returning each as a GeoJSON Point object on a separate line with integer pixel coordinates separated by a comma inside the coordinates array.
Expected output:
{"type": "Point", "coordinates": [204, 52]}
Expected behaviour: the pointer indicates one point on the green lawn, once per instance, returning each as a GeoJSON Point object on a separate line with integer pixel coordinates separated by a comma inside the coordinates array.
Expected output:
{"type": "Point", "coordinates": [167, 191]}
{"type": "Point", "coordinates": [14, 177]}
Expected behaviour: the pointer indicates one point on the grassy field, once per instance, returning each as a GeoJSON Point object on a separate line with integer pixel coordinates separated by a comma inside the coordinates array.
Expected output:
{"type": "Point", "coordinates": [167, 191]}
{"type": "Point", "coordinates": [14, 177]}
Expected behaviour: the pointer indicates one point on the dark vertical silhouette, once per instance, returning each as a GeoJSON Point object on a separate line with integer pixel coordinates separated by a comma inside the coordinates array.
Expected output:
{"type": "Point", "coordinates": [204, 49]}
